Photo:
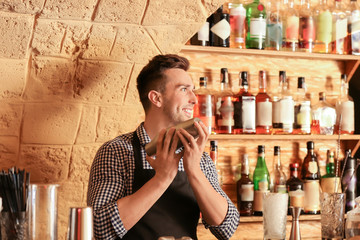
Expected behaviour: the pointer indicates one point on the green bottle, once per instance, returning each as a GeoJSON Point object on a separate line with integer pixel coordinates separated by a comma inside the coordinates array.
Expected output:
{"type": "Point", "coordinates": [330, 182]}
{"type": "Point", "coordinates": [256, 25]}
{"type": "Point", "coordinates": [261, 179]}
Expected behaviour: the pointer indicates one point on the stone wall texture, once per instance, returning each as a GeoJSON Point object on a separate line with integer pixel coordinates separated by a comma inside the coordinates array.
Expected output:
{"type": "Point", "coordinates": [68, 80]}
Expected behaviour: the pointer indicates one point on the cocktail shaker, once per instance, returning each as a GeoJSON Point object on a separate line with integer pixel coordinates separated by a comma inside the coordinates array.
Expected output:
{"type": "Point", "coordinates": [80, 224]}
{"type": "Point", "coordinates": [188, 125]}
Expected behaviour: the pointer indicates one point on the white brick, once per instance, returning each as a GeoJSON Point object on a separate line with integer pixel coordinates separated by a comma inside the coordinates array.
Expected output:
{"type": "Point", "coordinates": [52, 123]}
{"type": "Point", "coordinates": [12, 78]}
{"type": "Point", "coordinates": [87, 126]}
{"type": "Point", "coordinates": [22, 6]}
{"type": "Point", "coordinates": [81, 160]}
{"type": "Point", "coordinates": [69, 9]}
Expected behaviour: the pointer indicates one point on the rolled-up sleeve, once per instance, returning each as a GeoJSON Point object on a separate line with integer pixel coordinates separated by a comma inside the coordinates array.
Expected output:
{"type": "Point", "coordinates": [106, 186]}
{"type": "Point", "coordinates": [228, 227]}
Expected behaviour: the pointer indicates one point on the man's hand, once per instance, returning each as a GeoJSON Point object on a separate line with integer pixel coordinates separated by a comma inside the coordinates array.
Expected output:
{"type": "Point", "coordinates": [193, 148]}
{"type": "Point", "coordinates": [167, 161]}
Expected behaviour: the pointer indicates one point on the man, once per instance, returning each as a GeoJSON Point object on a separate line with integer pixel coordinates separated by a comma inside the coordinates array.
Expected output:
{"type": "Point", "coordinates": [135, 196]}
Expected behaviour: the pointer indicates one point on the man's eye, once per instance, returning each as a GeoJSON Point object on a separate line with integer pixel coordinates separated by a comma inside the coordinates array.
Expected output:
{"type": "Point", "coordinates": [183, 89]}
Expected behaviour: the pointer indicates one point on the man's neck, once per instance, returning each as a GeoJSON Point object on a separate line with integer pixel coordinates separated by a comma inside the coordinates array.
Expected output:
{"type": "Point", "coordinates": [154, 123]}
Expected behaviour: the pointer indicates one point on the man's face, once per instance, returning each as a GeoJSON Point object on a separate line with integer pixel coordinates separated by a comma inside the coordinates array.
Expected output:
{"type": "Point", "coordinates": [179, 98]}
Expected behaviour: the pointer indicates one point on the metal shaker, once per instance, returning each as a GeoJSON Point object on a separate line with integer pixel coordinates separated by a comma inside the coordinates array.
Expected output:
{"type": "Point", "coordinates": [80, 224]}
{"type": "Point", "coordinates": [295, 225]}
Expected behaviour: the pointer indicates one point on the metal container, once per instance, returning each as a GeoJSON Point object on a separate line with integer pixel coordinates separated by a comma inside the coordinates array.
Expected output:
{"type": "Point", "coordinates": [80, 224]}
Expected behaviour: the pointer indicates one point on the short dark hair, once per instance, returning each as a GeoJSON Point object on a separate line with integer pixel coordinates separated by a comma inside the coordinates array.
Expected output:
{"type": "Point", "coordinates": [152, 76]}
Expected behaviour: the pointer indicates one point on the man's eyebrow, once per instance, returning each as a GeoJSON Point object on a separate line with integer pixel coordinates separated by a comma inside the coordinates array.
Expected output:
{"type": "Point", "coordinates": [183, 85]}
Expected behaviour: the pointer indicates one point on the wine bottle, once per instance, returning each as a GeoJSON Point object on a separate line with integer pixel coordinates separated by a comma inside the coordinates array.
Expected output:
{"type": "Point", "coordinates": [295, 187]}
{"type": "Point", "coordinates": [225, 106]}
{"type": "Point", "coordinates": [245, 189]}
{"type": "Point", "coordinates": [263, 107]}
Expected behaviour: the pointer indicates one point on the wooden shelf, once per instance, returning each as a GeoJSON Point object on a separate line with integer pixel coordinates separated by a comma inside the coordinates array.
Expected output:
{"type": "Point", "coordinates": [281, 137]}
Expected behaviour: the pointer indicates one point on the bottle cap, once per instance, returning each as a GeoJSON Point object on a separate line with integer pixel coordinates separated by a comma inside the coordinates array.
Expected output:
{"type": "Point", "coordinates": [203, 81]}
{"type": "Point", "coordinates": [301, 82]}
{"type": "Point", "coordinates": [213, 143]}
{"type": "Point", "coordinates": [294, 165]}
{"type": "Point", "coordinates": [224, 70]}
{"type": "Point", "coordinates": [244, 75]}
{"type": "Point", "coordinates": [276, 150]}
{"type": "Point", "coordinates": [344, 76]}
{"type": "Point", "coordinates": [261, 149]}
{"type": "Point", "coordinates": [310, 145]}
{"type": "Point", "coordinates": [322, 95]}
{"type": "Point", "coordinates": [282, 73]}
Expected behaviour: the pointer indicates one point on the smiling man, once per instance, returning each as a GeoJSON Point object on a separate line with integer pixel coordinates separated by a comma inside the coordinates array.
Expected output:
{"type": "Point", "coordinates": [135, 196]}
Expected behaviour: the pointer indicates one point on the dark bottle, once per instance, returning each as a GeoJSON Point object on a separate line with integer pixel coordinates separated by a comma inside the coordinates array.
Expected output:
{"type": "Point", "coordinates": [348, 181]}
{"type": "Point", "coordinates": [219, 28]}
{"type": "Point", "coordinates": [245, 189]}
{"type": "Point", "coordinates": [310, 175]}
{"type": "Point", "coordinates": [239, 111]}
{"type": "Point", "coordinates": [202, 36]}
{"type": "Point", "coordinates": [295, 187]}
{"type": "Point", "coordinates": [225, 106]}
{"type": "Point", "coordinates": [261, 178]}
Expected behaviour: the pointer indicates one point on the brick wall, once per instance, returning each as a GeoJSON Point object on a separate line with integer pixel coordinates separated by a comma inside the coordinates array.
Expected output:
{"type": "Point", "coordinates": [67, 80]}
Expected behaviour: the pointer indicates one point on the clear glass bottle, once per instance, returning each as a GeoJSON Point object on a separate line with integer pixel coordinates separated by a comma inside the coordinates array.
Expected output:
{"type": "Point", "coordinates": [204, 109]}
{"type": "Point", "coordinates": [323, 18]}
{"type": "Point", "coordinates": [339, 29]}
{"type": "Point", "coordinates": [295, 187]}
{"type": "Point", "coordinates": [286, 105]}
{"type": "Point", "coordinates": [261, 179]}
{"type": "Point", "coordinates": [330, 182]}
{"type": "Point", "coordinates": [307, 27]}
{"type": "Point", "coordinates": [344, 109]}
{"type": "Point", "coordinates": [291, 27]}
{"type": "Point", "coordinates": [256, 25]}
{"type": "Point", "coordinates": [323, 117]}
{"type": "Point", "coordinates": [279, 175]}
{"type": "Point", "coordinates": [276, 96]}
{"type": "Point", "coordinates": [225, 113]}
{"type": "Point", "coordinates": [219, 28]}
{"type": "Point", "coordinates": [248, 110]}
{"type": "Point", "coordinates": [310, 174]}
{"type": "Point", "coordinates": [302, 109]}
{"type": "Point", "coordinates": [354, 27]}
{"type": "Point", "coordinates": [237, 24]}
{"type": "Point", "coordinates": [263, 107]}
{"type": "Point", "coordinates": [202, 36]}
{"type": "Point", "coordinates": [274, 26]}
{"type": "Point", "coordinates": [245, 189]}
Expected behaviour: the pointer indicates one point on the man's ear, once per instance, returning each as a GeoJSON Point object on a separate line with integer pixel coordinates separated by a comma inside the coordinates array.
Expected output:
{"type": "Point", "coordinates": [155, 98]}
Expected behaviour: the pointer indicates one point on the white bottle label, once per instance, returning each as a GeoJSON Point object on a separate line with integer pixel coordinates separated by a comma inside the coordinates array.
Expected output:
{"type": "Point", "coordinates": [257, 28]}
{"type": "Point", "coordinates": [222, 29]}
{"type": "Point", "coordinates": [347, 113]}
{"type": "Point", "coordinates": [264, 114]}
{"type": "Point", "coordinates": [247, 192]}
{"type": "Point", "coordinates": [248, 112]}
{"type": "Point", "coordinates": [312, 195]}
{"type": "Point", "coordinates": [340, 29]}
{"type": "Point", "coordinates": [287, 111]}
{"type": "Point", "coordinates": [203, 33]}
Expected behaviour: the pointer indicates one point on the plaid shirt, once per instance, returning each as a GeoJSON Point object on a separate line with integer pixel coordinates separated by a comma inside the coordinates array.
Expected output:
{"type": "Point", "coordinates": [111, 178]}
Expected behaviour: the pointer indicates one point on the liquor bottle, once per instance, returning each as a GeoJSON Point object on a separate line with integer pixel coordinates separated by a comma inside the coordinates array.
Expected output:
{"type": "Point", "coordinates": [276, 103]}
{"type": "Point", "coordinates": [244, 115]}
{"type": "Point", "coordinates": [295, 187]}
{"type": "Point", "coordinates": [274, 26]}
{"type": "Point", "coordinates": [286, 108]}
{"type": "Point", "coordinates": [349, 181]}
{"type": "Point", "coordinates": [225, 117]}
{"type": "Point", "coordinates": [245, 189]}
{"type": "Point", "coordinates": [256, 25]}
{"type": "Point", "coordinates": [354, 27]}
{"type": "Point", "coordinates": [330, 183]}
{"type": "Point", "coordinates": [237, 24]}
{"type": "Point", "coordinates": [261, 181]}
{"type": "Point", "coordinates": [214, 156]}
{"type": "Point", "coordinates": [323, 19]}
{"type": "Point", "coordinates": [344, 109]}
{"type": "Point", "coordinates": [279, 175]}
{"type": "Point", "coordinates": [220, 28]}
{"type": "Point", "coordinates": [263, 107]}
{"type": "Point", "coordinates": [339, 29]}
{"type": "Point", "coordinates": [291, 27]}
{"type": "Point", "coordinates": [202, 36]}
{"type": "Point", "coordinates": [204, 109]}
{"type": "Point", "coordinates": [323, 117]}
{"type": "Point", "coordinates": [310, 175]}
{"type": "Point", "coordinates": [307, 27]}
{"type": "Point", "coordinates": [302, 110]}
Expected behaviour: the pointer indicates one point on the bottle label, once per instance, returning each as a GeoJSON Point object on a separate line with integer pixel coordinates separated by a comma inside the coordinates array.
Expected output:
{"type": "Point", "coordinates": [347, 113]}
{"type": "Point", "coordinates": [324, 27]}
{"type": "Point", "coordinates": [258, 28]}
{"type": "Point", "coordinates": [287, 111]}
{"type": "Point", "coordinates": [355, 22]}
{"type": "Point", "coordinates": [203, 33]}
{"type": "Point", "coordinates": [297, 198]}
{"type": "Point", "coordinates": [312, 195]}
{"type": "Point", "coordinates": [227, 112]}
{"type": "Point", "coordinates": [248, 112]}
{"type": "Point", "coordinates": [221, 29]}
{"type": "Point", "coordinates": [308, 29]}
{"type": "Point", "coordinates": [303, 117]}
{"type": "Point", "coordinates": [313, 167]}
{"type": "Point", "coordinates": [247, 192]}
{"type": "Point", "coordinates": [264, 114]}
{"type": "Point", "coordinates": [280, 188]}
{"type": "Point", "coordinates": [340, 29]}
{"type": "Point", "coordinates": [328, 117]}
{"type": "Point", "coordinates": [331, 184]}
{"type": "Point", "coordinates": [263, 185]}
{"type": "Point", "coordinates": [274, 33]}
{"type": "Point", "coordinates": [292, 28]}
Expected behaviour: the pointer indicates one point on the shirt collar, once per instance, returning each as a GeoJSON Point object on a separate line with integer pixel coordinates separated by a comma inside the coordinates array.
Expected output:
{"type": "Point", "coordinates": [142, 134]}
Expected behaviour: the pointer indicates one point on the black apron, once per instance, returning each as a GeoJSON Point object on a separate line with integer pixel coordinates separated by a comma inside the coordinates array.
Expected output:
{"type": "Point", "coordinates": [176, 212]}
